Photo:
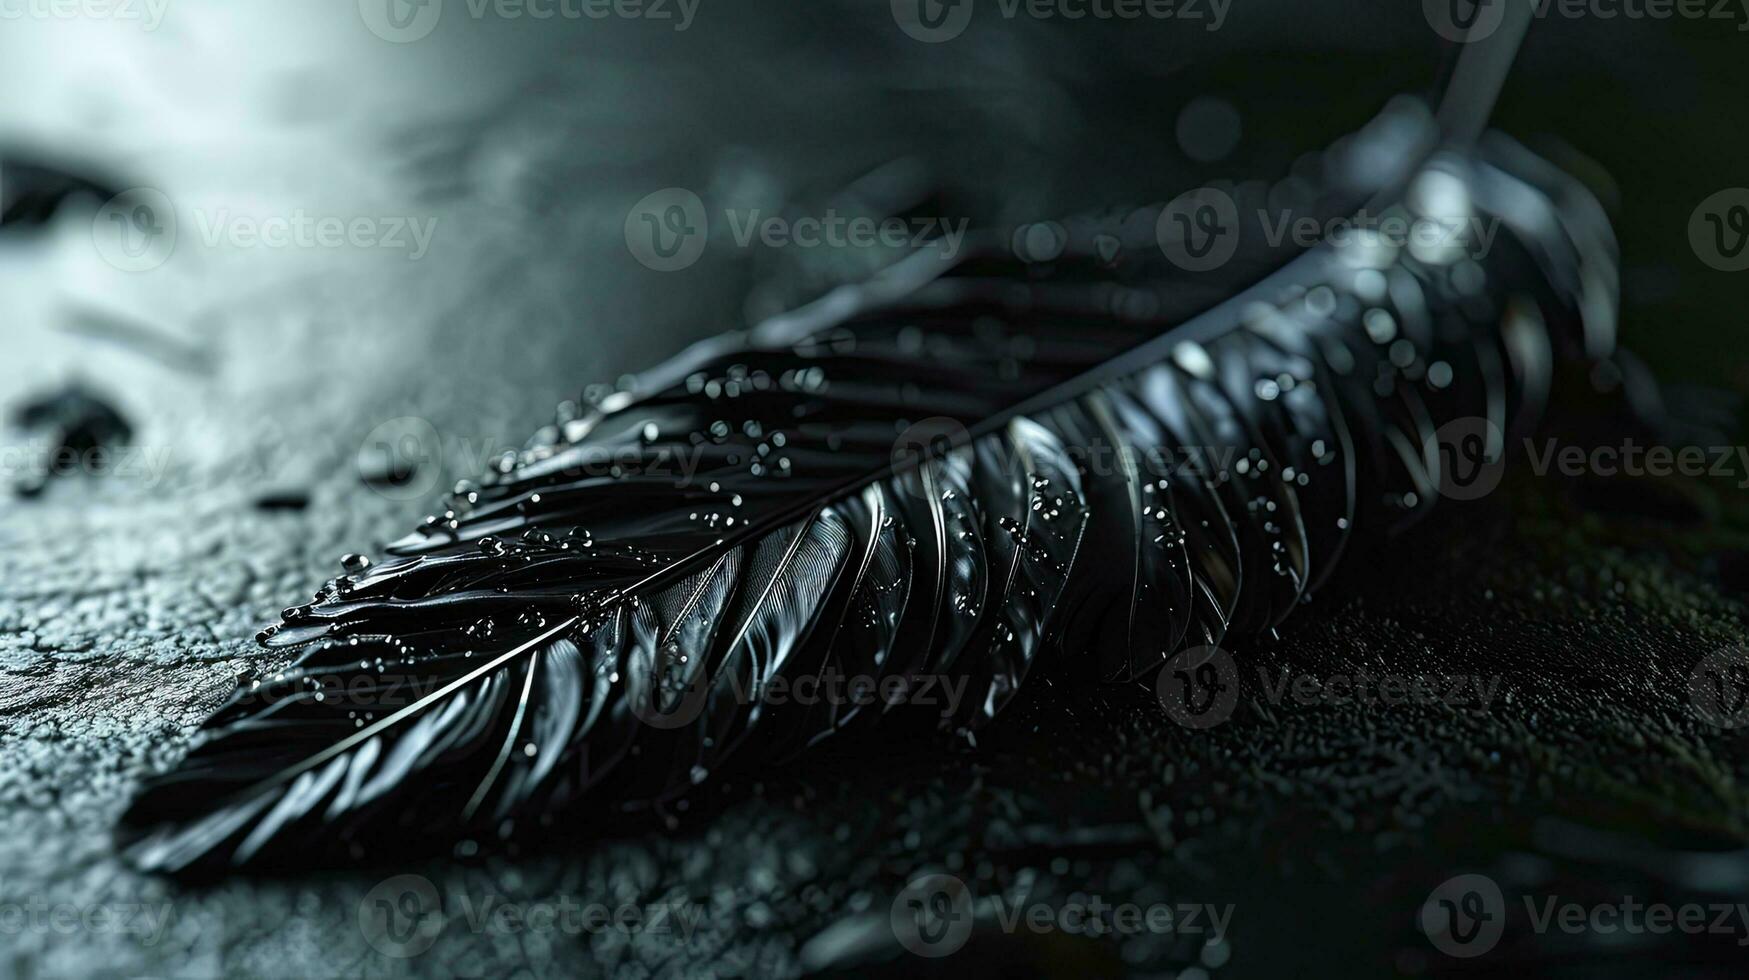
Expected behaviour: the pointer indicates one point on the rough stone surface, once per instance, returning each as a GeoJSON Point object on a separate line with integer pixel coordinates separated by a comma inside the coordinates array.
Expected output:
{"type": "Point", "coordinates": [127, 609]}
{"type": "Point", "coordinates": [127, 604]}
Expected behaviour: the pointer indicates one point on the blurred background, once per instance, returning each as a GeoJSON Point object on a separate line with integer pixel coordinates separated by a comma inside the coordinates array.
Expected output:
{"type": "Point", "coordinates": [466, 176]}
{"type": "Point", "coordinates": [519, 145]}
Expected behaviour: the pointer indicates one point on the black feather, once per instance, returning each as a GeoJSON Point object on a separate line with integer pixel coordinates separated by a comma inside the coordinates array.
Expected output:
{"type": "Point", "coordinates": [958, 470]}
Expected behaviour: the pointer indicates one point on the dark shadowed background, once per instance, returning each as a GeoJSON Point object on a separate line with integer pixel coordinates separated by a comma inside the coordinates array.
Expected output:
{"type": "Point", "coordinates": [289, 403]}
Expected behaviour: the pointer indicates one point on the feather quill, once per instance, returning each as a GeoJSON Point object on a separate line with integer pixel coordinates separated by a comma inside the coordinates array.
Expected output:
{"type": "Point", "coordinates": [961, 471]}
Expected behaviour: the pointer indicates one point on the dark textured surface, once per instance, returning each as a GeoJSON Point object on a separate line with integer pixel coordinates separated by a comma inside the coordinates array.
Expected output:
{"type": "Point", "coordinates": [127, 608]}
{"type": "Point", "coordinates": [558, 544]}
{"type": "Point", "coordinates": [126, 612]}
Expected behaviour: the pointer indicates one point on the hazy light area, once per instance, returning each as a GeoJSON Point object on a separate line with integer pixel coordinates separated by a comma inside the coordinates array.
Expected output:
{"type": "Point", "coordinates": [401, 399]}
{"type": "Point", "coordinates": [519, 144]}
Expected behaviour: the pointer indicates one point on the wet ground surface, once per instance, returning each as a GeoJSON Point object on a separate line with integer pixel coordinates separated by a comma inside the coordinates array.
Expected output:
{"type": "Point", "coordinates": [1313, 831]}
{"type": "Point", "coordinates": [262, 388]}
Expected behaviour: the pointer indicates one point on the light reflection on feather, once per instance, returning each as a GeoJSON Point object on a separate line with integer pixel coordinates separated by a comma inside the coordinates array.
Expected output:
{"type": "Point", "coordinates": [1059, 532]}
